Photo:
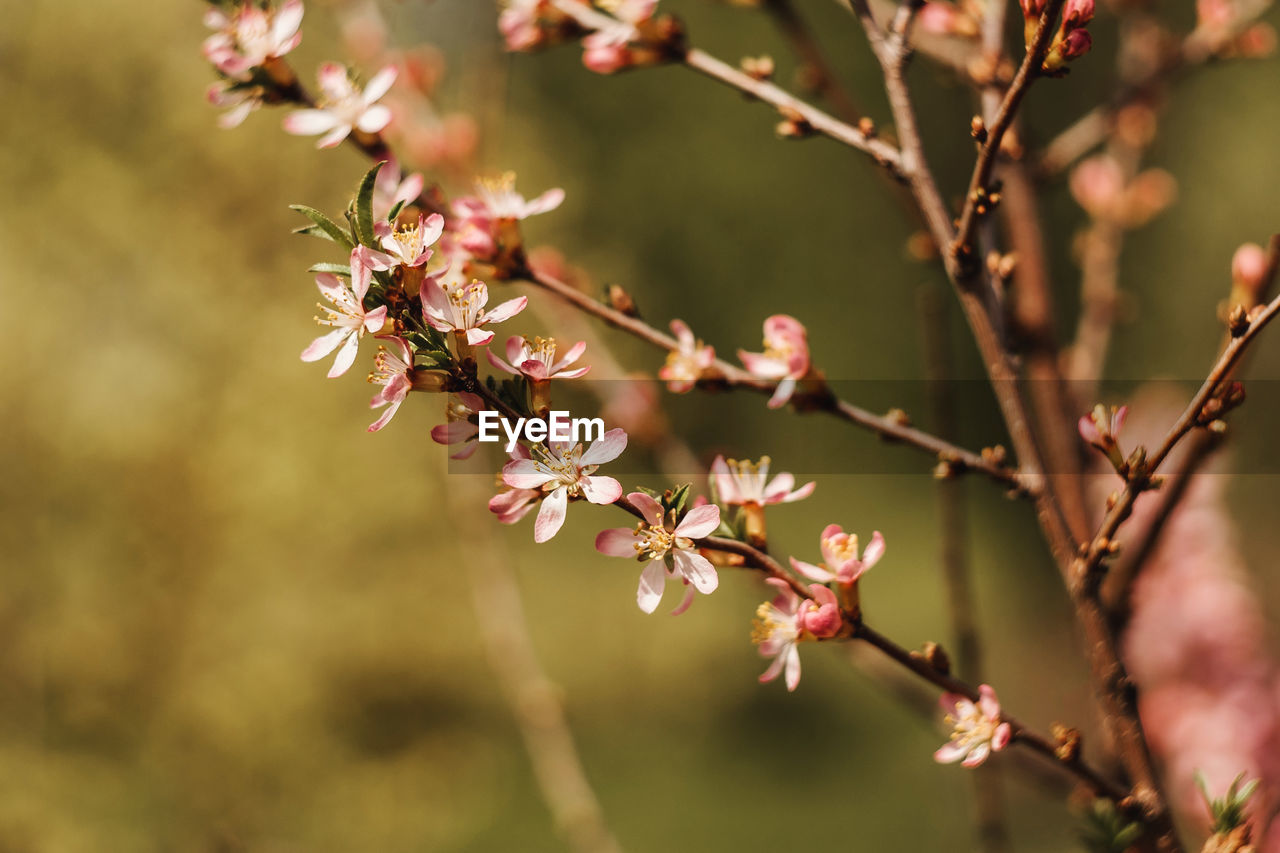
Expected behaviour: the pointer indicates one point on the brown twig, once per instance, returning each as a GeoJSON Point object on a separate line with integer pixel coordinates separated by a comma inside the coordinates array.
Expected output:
{"type": "Point", "coordinates": [822, 78]}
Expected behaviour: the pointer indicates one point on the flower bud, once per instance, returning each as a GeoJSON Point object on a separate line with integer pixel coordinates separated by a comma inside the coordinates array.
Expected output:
{"type": "Point", "coordinates": [606, 60]}
{"type": "Point", "coordinates": [1249, 268]}
{"type": "Point", "coordinates": [1032, 9]}
{"type": "Point", "coordinates": [1077, 13]}
{"type": "Point", "coordinates": [821, 620]}
{"type": "Point", "coordinates": [1076, 44]}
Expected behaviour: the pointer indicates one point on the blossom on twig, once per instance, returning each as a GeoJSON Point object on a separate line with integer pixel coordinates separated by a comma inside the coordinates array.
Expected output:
{"type": "Point", "coordinates": [746, 483]}
{"type": "Point", "coordinates": [787, 620]}
{"type": "Point", "coordinates": [450, 306]}
{"type": "Point", "coordinates": [251, 36]}
{"type": "Point", "coordinates": [459, 428]}
{"type": "Point", "coordinates": [406, 246]}
{"type": "Point", "coordinates": [785, 357]}
{"type": "Point", "coordinates": [562, 472]}
{"type": "Point", "coordinates": [977, 730]}
{"type": "Point", "coordinates": [654, 540]}
{"type": "Point", "coordinates": [840, 557]}
{"type": "Point", "coordinates": [343, 107]}
{"type": "Point", "coordinates": [685, 365]}
{"type": "Point", "coordinates": [392, 369]}
{"type": "Point", "coordinates": [537, 360]}
{"type": "Point", "coordinates": [347, 315]}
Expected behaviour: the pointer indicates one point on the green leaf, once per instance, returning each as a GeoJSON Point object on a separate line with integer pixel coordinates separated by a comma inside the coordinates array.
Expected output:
{"type": "Point", "coordinates": [395, 211]}
{"type": "Point", "coordinates": [343, 270]}
{"type": "Point", "coordinates": [323, 226]}
{"type": "Point", "coordinates": [364, 205]}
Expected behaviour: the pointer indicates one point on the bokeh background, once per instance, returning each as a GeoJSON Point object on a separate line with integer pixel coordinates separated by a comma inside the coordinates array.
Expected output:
{"type": "Point", "coordinates": [232, 620]}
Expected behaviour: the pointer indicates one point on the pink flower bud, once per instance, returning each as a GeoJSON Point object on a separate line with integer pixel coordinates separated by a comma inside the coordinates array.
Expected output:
{"type": "Point", "coordinates": [937, 18]}
{"type": "Point", "coordinates": [1077, 13]}
{"type": "Point", "coordinates": [1076, 44]}
{"type": "Point", "coordinates": [606, 60]}
{"type": "Point", "coordinates": [821, 616]}
{"type": "Point", "coordinates": [1249, 266]}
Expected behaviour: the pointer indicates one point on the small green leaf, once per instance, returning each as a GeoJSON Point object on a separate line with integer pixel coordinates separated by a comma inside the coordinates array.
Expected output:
{"type": "Point", "coordinates": [395, 211]}
{"type": "Point", "coordinates": [364, 205]}
{"type": "Point", "coordinates": [323, 226]}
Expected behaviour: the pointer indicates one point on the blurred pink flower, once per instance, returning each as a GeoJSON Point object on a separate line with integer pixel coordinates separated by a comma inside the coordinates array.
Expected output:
{"type": "Point", "coordinates": [563, 472]}
{"type": "Point", "coordinates": [519, 23]}
{"type": "Point", "coordinates": [740, 483]}
{"type": "Point", "coordinates": [238, 99]}
{"type": "Point", "coordinates": [251, 35]}
{"type": "Point", "coordinates": [537, 360]}
{"type": "Point", "coordinates": [840, 557]}
{"type": "Point", "coordinates": [347, 316]}
{"type": "Point", "coordinates": [685, 365]}
{"type": "Point", "coordinates": [392, 187]}
{"type": "Point", "coordinates": [343, 108]}
{"type": "Point", "coordinates": [496, 198]}
{"type": "Point", "coordinates": [977, 731]}
{"type": "Point", "coordinates": [655, 539]}
{"type": "Point", "coordinates": [785, 357]}
{"type": "Point", "coordinates": [1249, 266]}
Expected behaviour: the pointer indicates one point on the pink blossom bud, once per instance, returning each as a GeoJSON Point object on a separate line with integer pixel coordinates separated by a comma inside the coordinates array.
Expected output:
{"type": "Point", "coordinates": [1077, 13]}
{"type": "Point", "coordinates": [821, 616]}
{"type": "Point", "coordinates": [1076, 44]}
{"type": "Point", "coordinates": [937, 18]}
{"type": "Point", "coordinates": [606, 60]}
{"type": "Point", "coordinates": [1249, 266]}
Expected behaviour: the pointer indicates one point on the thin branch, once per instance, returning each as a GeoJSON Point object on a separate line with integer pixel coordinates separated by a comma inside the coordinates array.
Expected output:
{"type": "Point", "coordinates": [888, 427]}
{"type": "Point", "coordinates": [990, 151]}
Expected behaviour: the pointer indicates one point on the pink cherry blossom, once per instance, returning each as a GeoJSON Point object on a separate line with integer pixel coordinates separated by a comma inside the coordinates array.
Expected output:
{"type": "Point", "coordinates": [519, 23]}
{"type": "Point", "coordinates": [511, 504]}
{"type": "Point", "coordinates": [685, 365]}
{"type": "Point", "coordinates": [343, 108]}
{"type": "Point", "coordinates": [238, 99]}
{"type": "Point", "coordinates": [392, 369]}
{"type": "Point", "coordinates": [563, 472]}
{"type": "Point", "coordinates": [937, 18]}
{"type": "Point", "coordinates": [450, 306]}
{"type": "Point", "coordinates": [741, 483]}
{"type": "Point", "coordinates": [250, 36]}
{"type": "Point", "coordinates": [605, 50]}
{"type": "Point", "coordinates": [347, 316]}
{"type": "Point", "coordinates": [459, 428]}
{"type": "Point", "coordinates": [785, 357]}
{"type": "Point", "coordinates": [655, 539]}
{"type": "Point", "coordinates": [1101, 431]}
{"type": "Point", "coordinates": [788, 620]}
{"type": "Point", "coordinates": [496, 198]}
{"type": "Point", "coordinates": [537, 360]}
{"type": "Point", "coordinates": [407, 246]}
{"type": "Point", "coordinates": [840, 557]}
{"type": "Point", "coordinates": [977, 730]}
{"type": "Point", "coordinates": [1097, 185]}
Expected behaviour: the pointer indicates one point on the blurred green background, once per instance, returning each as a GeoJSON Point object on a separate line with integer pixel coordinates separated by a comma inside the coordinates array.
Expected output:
{"type": "Point", "coordinates": [232, 620]}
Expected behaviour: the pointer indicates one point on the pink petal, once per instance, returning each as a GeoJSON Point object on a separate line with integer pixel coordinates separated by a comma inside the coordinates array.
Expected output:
{"type": "Point", "coordinates": [310, 122]}
{"type": "Point", "coordinates": [773, 671]}
{"type": "Point", "coordinates": [779, 487]}
{"type": "Point", "coordinates": [380, 84]}
{"type": "Point", "coordinates": [506, 310]}
{"type": "Point", "coordinates": [652, 582]}
{"type": "Point", "coordinates": [873, 552]}
{"type": "Point", "coordinates": [525, 474]}
{"type": "Point", "coordinates": [336, 136]}
{"type": "Point", "coordinates": [324, 345]}
{"type": "Point", "coordinates": [1004, 733]}
{"type": "Point", "coordinates": [607, 448]}
{"type": "Point", "coordinates": [977, 755]}
{"type": "Point", "coordinates": [573, 374]}
{"type": "Point", "coordinates": [548, 201]}
{"type": "Point", "coordinates": [575, 352]}
{"type": "Point", "coordinates": [551, 516]}
{"type": "Point", "coordinates": [288, 19]}
{"type": "Point", "coordinates": [334, 80]}
{"type": "Point", "coordinates": [346, 356]}
{"type": "Point", "coordinates": [684, 335]}
{"type": "Point", "coordinates": [617, 542]}
{"type": "Point", "coordinates": [792, 656]}
{"type": "Point", "coordinates": [950, 753]}
{"type": "Point", "coordinates": [762, 366]}
{"type": "Point", "coordinates": [698, 570]}
{"type": "Point", "coordinates": [600, 490]}
{"type": "Point", "coordinates": [478, 337]}
{"type": "Point", "coordinates": [782, 394]}
{"type": "Point", "coordinates": [649, 508]}
{"type": "Point", "coordinates": [375, 319]}
{"type": "Point", "coordinates": [499, 363]}
{"type": "Point", "coordinates": [374, 119]}
{"type": "Point", "coordinates": [387, 415]}
{"type": "Point", "coordinates": [812, 572]}
{"type": "Point", "coordinates": [515, 350]}
{"type": "Point", "coordinates": [699, 522]}
{"type": "Point", "coordinates": [726, 485]}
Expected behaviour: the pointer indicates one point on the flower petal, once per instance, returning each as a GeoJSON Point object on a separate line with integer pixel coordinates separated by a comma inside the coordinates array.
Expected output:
{"type": "Point", "coordinates": [617, 542]}
{"type": "Point", "coordinates": [600, 490]}
{"type": "Point", "coordinates": [699, 522]}
{"type": "Point", "coordinates": [812, 572]}
{"type": "Point", "coordinates": [606, 448]}
{"type": "Point", "coordinates": [652, 582]}
{"type": "Point", "coordinates": [551, 515]}
{"type": "Point", "coordinates": [649, 508]}
{"type": "Point", "coordinates": [698, 570]}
